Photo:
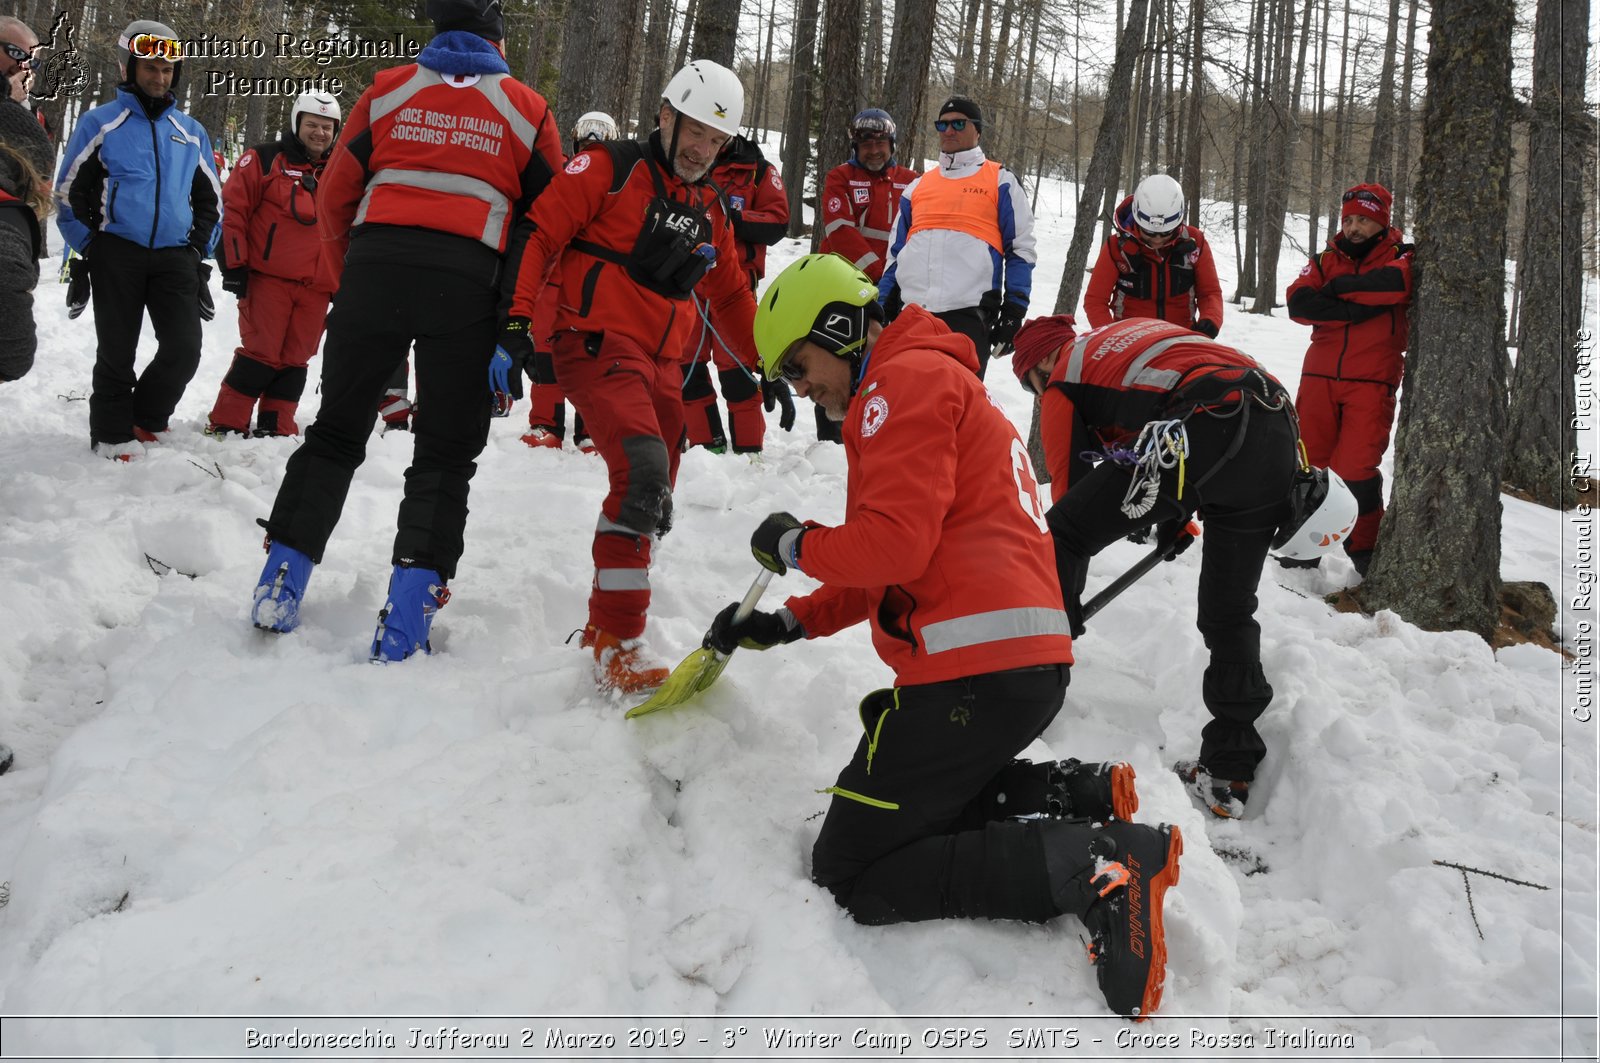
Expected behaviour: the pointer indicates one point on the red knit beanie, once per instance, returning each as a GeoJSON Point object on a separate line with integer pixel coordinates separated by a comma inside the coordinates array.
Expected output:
{"type": "Point", "coordinates": [1036, 340]}
{"type": "Point", "coordinates": [1372, 201]}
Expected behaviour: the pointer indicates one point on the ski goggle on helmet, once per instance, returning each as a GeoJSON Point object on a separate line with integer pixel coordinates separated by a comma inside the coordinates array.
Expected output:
{"type": "Point", "coordinates": [594, 126]}
{"type": "Point", "coordinates": [823, 299]}
{"type": "Point", "coordinates": [1158, 207]}
{"type": "Point", "coordinates": [872, 124]}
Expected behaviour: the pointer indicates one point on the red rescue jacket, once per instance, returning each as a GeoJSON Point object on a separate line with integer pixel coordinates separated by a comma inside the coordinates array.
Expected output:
{"type": "Point", "coordinates": [269, 212]}
{"type": "Point", "coordinates": [1176, 283]}
{"type": "Point", "coordinates": [455, 153]}
{"type": "Point", "coordinates": [757, 203]}
{"type": "Point", "coordinates": [944, 546]}
{"type": "Point", "coordinates": [1356, 310]}
{"type": "Point", "coordinates": [859, 210]}
{"type": "Point", "coordinates": [1109, 382]}
{"type": "Point", "coordinates": [593, 216]}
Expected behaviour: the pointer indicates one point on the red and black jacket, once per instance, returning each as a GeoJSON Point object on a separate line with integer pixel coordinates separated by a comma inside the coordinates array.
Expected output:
{"type": "Point", "coordinates": [269, 215]}
{"type": "Point", "coordinates": [1176, 283]}
{"type": "Point", "coordinates": [1356, 309]}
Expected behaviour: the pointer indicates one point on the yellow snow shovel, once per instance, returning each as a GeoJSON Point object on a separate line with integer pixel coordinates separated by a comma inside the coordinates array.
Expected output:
{"type": "Point", "coordinates": [701, 668]}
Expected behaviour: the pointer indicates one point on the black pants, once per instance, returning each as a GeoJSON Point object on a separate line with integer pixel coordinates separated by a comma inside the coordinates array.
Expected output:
{"type": "Point", "coordinates": [906, 836]}
{"type": "Point", "coordinates": [387, 304]}
{"type": "Point", "coordinates": [1242, 505]}
{"type": "Point", "coordinates": [972, 322]}
{"type": "Point", "coordinates": [127, 281]}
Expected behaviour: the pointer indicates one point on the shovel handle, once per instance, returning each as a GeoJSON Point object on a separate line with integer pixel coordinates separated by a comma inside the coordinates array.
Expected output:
{"type": "Point", "coordinates": [753, 595]}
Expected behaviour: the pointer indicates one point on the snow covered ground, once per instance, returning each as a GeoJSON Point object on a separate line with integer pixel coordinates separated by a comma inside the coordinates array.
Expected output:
{"type": "Point", "coordinates": [207, 820]}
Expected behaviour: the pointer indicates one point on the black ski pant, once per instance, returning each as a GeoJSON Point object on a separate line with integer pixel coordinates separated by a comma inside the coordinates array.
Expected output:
{"type": "Point", "coordinates": [386, 305]}
{"type": "Point", "coordinates": [972, 322]}
{"type": "Point", "coordinates": [1241, 493]}
{"type": "Point", "coordinates": [127, 281]}
{"type": "Point", "coordinates": [909, 835]}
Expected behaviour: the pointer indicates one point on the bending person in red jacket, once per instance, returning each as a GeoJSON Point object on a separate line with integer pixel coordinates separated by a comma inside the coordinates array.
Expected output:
{"type": "Point", "coordinates": [758, 210]}
{"type": "Point", "coordinates": [944, 551]}
{"type": "Point", "coordinates": [421, 208]}
{"type": "Point", "coordinates": [1186, 426]}
{"type": "Point", "coordinates": [1153, 265]}
{"type": "Point", "coordinates": [635, 229]}
{"type": "Point", "coordinates": [1354, 295]}
{"type": "Point", "coordinates": [270, 253]}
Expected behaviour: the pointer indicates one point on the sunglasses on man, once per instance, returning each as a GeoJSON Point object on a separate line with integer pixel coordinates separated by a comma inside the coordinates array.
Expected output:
{"type": "Point", "coordinates": [943, 125]}
{"type": "Point", "coordinates": [21, 55]}
{"type": "Point", "coordinates": [149, 46]}
{"type": "Point", "coordinates": [1364, 196]}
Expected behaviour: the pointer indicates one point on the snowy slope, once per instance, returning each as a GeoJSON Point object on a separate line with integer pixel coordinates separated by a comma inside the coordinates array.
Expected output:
{"type": "Point", "coordinates": [205, 819]}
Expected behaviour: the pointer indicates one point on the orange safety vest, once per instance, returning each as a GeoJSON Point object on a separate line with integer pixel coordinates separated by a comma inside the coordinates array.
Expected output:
{"type": "Point", "coordinates": [964, 204]}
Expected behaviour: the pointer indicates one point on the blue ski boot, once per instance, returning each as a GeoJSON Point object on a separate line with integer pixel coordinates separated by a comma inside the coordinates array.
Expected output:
{"type": "Point", "coordinates": [280, 588]}
{"type": "Point", "coordinates": [415, 594]}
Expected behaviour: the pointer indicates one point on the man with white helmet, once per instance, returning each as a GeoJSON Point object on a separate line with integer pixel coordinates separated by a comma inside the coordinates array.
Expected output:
{"type": "Point", "coordinates": [636, 230]}
{"type": "Point", "coordinates": [269, 255]}
{"type": "Point", "coordinates": [1153, 265]}
{"type": "Point", "coordinates": [139, 202]}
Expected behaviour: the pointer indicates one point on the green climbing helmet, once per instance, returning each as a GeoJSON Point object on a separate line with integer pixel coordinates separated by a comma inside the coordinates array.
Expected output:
{"type": "Point", "coordinates": [821, 298]}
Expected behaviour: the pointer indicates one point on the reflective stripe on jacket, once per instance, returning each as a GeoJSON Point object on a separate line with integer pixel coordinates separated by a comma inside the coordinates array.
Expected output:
{"type": "Point", "coordinates": [944, 548]}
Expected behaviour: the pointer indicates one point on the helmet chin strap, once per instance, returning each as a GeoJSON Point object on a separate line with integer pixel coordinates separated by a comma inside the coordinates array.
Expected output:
{"type": "Point", "coordinates": [672, 148]}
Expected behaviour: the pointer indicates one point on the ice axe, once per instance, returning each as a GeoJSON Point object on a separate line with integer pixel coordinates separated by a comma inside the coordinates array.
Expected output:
{"type": "Point", "coordinates": [702, 667]}
{"type": "Point", "coordinates": [1162, 552]}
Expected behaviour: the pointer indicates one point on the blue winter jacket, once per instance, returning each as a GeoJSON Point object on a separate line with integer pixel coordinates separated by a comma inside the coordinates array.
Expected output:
{"type": "Point", "coordinates": [146, 180]}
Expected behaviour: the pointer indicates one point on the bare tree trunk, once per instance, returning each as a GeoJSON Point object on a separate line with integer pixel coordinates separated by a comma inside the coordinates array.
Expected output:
{"type": "Point", "coordinates": [716, 28]}
{"type": "Point", "coordinates": [969, 32]}
{"type": "Point", "coordinates": [1339, 163]}
{"type": "Point", "coordinates": [872, 73]}
{"type": "Point", "coordinates": [1437, 562]}
{"type": "Point", "coordinates": [597, 45]}
{"type": "Point", "coordinates": [1192, 188]}
{"type": "Point", "coordinates": [906, 79]}
{"type": "Point", "coordinates": [653, 77]}
{"type": "Point", "coordinates": [797, 124]}
{"type": "Point", "coordinates": [1318, 133]}
{"type": "Point", "coordinates": [1257, 125]}
{"type": "Point", "coordinates": [1107, 149]}
{"type": "Point", "coordinates": [684, 38]}
{"type": "Point", "coordinates": [1540, 439]}
{"type": "Point", "coordinates": [1402, 161]}
{"type": "Point", "coordinates": [1380, 158]}
{"type": "Point", "coordinates": [841, 59]}
{"type": "Point", "coordinates": [1286, 137]}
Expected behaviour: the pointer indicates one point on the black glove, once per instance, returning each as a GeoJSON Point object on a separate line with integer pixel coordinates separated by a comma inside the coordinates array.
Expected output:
{"type": "Point", "coordinates": [776, 393]}
{"type": "Point", "coordinates": [758, 631]}
{"type": "Point", "coordinates": [235, 281]}
{"type": "Point", "coordinates": [77, 286]}
{"type": "Point", "coordinates": [776, 543]}
{"type": "Point", "coordinates": [208, 309]}
{"type": "Point", "coordinates": [664, 522]}
{"type": "Point", "coordinates": [1206, 327]}
{"type": "Point", "coordinates": [512, 355]}
{"type": "Point", "coordinates": [1004, 329]}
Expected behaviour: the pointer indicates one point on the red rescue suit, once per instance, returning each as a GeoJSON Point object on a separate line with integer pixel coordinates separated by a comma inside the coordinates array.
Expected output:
{"type": "Point", "coordinates": [1357, 312]}
{"type": "Point", "coordinates": [859, 210]}
{"type": "Point", "coordinates": [944, 547]}
{"type": "Point", "coordinates": [269, 228]}
{"type": "Point", "coordinates": [758, 207]}
{"type": "Point", "coordinates": [635, 242]}
{"type": "Point", "coordinates": [1176, 283]}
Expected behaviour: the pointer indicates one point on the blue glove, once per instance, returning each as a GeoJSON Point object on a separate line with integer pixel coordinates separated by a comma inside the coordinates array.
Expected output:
{"type": "Point", "coordinates": [511, 357]}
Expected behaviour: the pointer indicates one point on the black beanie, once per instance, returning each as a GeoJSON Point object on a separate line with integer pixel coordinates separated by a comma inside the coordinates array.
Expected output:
{"type": "Point", "coordinates": [475, 16]}
{"type": "Point", "coordinates": [962, 105]}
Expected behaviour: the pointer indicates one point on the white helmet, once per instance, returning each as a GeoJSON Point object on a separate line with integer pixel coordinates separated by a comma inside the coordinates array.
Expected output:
{"type": "Point", "coordinates": [596, 125]}
{"type": "Point", "coordinates": [317, 103]}
{"type": "Point", "coordinates": [1322, 513]}
{"type": "Point", "coordinates": [1158, 204]}
{"type": "Point", "coordinates": [148, 39]}
{"type": "Point", "coordinates": [708, 92]}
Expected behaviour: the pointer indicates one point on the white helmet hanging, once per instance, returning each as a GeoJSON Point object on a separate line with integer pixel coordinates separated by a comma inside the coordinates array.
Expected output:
{"type": "Point", "coordinates": [1322, 514]}
{"type": "Point", "coordinates": [1158, 204]}
{"type": "Point", "coordinates": [708, 92]}
{"type": "Point", "coordinates": [595, 125]}
{"type": "Point", "coordinates": [317, 103]}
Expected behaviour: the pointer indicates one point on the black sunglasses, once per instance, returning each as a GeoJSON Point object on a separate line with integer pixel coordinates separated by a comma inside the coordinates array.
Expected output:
{"type": "Point", "coordinates": [958, 124]}
{"type": "Point", "coordinates": [791, 370]}
{"type": "Point", "coordinates": [1364, 196]}
{"type": "Point", "coordinates": [21, 55]}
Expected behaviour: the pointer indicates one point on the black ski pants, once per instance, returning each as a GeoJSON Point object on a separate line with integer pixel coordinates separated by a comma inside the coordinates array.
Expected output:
{"type": "Point", "coordinates": [972, 322]}
{"type": "Point", "coordinates": [1241, 492]}
{"type": "Point", "coordinates": [908, 835]}
{"type": "Point", "coordinates": [386, 305]}
{"type": "Point", "coordinates": [128, 280]}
